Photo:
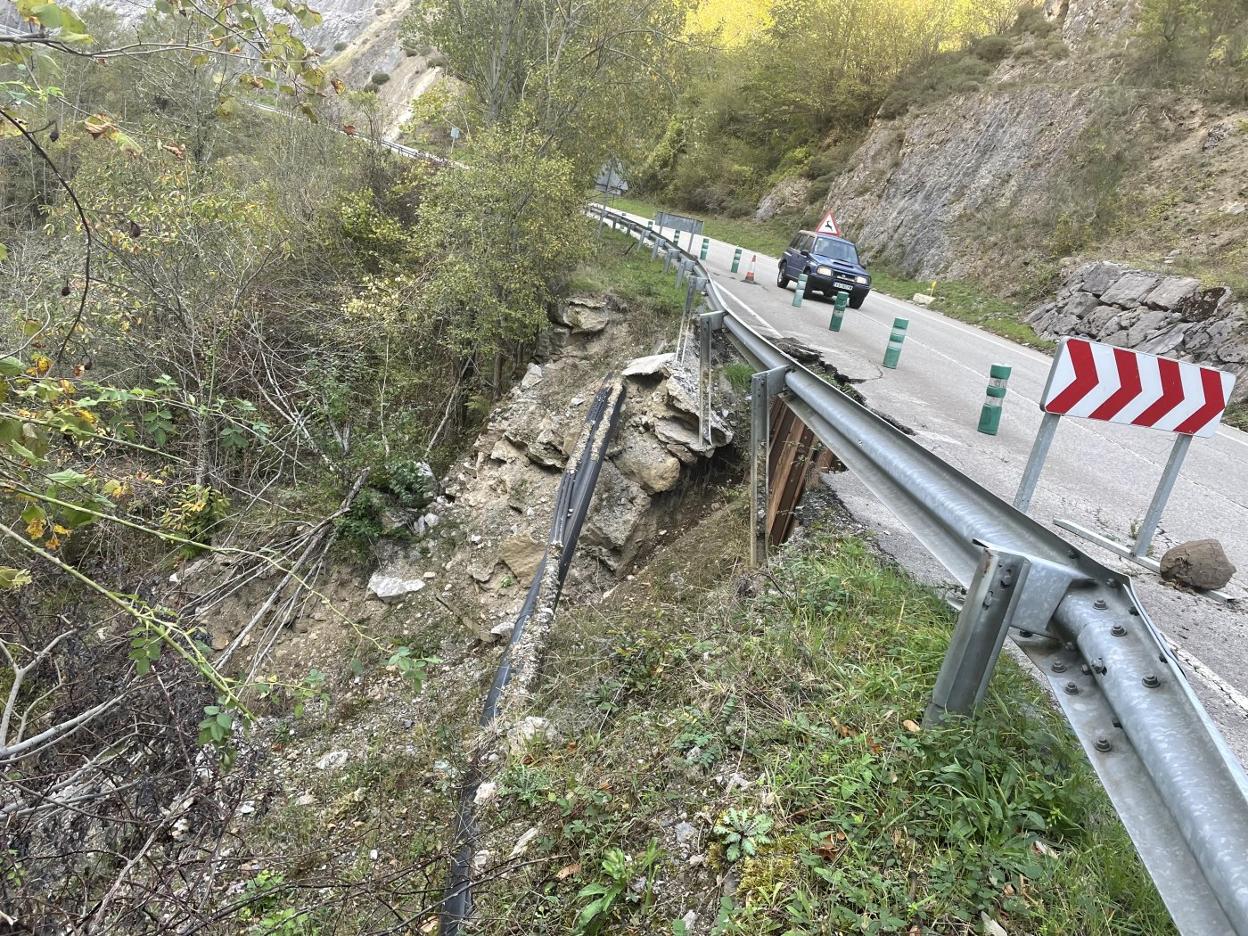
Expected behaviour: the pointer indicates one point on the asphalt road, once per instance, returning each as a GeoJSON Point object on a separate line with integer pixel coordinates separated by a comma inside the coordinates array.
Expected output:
{"type": "Point", "coordinates": [1098, 474]}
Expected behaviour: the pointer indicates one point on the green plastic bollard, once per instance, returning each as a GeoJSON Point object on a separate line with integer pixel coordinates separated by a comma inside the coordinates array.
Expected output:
{"type": "Point", "coordinates": [892, 354]}
{"type": "Point", "coordinates": [736, 260]}
{"type": "Point", "coordinates": [799, 292]}
{"type": "Point", "coordinates": [990, 415]}
{"type": "Point", "coordinates": [838, 311]}
{"type": "Point", "coordinates": [706, 245]}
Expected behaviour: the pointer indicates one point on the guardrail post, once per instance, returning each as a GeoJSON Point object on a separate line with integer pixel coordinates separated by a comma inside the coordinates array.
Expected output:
{"type": "Point", "coordinates": [838, 311]}
{"type": "Point", "coordinates": [799, 291]}
{"type": "Point", "coordinates": [706, 245]}
{"type": "Point", "coordinates": [680, 271]}
{"type": "Point", "coordinates": [892, 354]}
{"type": "Point", "coordinates": [649, 232]}
{"type": "Point", "coordinates": [991, 599]}
{"type": "Point", "coordinates": [990, 414]}
{"type": "Point", "coordinates": [736, 260]}
{"type": "Point", "coordinates": [654, 249]}
{"type": "Point", "coordinates": [695, 286]}
{"type": "Point", "coordinates": [762, 386]}
{"type": "Point", "coordinates": [708, 322]}
{"type": "Point", "coordinates": [667, 259]}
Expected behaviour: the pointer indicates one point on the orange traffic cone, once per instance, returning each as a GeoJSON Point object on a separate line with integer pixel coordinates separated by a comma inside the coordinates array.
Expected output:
{"type": "Point", "coordinates": [749, 275]}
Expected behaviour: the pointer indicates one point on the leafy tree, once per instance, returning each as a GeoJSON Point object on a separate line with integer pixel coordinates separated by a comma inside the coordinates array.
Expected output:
{"type": "Point", "coordinates": [582, 75]}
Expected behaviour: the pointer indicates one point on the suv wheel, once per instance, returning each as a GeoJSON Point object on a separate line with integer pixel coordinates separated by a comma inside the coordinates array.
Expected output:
{"type": "Point", "coordinates": [781, 280]}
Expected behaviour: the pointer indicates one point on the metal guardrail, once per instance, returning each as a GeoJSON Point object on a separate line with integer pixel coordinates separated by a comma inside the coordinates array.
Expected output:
{"type": "Point", "coordinates": [519, 661]}
{"type": "Point", "coordinates": [1180, 792]}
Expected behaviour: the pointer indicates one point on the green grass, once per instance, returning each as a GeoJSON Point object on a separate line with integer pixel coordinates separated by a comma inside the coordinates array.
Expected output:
{"type": "Point", "coordinates": [768, 237]}
{"type": "Point", "coordinates": [966, 302]}
{"type": "Point", "coordinates": [1237, 415]}
{"type": "Point", "coordinates": [781, 709]}
{"type": "Point", "coordinates": [619, 265]}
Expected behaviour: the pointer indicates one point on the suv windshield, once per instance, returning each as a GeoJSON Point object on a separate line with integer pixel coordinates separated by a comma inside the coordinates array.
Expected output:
{"type": "Point", "coordinates": [835, 249]}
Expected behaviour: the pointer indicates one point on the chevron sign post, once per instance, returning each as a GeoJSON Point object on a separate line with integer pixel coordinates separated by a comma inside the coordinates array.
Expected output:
{"type": "Point", "coordinates": [1091, 380]}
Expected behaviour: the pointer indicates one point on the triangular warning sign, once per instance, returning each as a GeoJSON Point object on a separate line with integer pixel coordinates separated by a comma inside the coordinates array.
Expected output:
{"type": "Point", "coordinates": [828, 226]}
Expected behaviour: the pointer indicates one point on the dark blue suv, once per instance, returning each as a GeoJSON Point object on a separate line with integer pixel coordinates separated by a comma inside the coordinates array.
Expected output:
{"type": "Point", "coordinates": [830, 263]}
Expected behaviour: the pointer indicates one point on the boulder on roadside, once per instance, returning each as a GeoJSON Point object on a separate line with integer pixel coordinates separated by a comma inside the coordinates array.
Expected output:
{"type": "Point", "coordinates": [583, 315]}
{"type": "Point", "coordinates": [1197, 564]}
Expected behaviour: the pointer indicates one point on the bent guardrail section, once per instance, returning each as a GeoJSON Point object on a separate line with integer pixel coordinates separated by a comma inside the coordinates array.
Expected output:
{"type": "Point", "coordinates": [1180, 792]}
{"type": "Point", "coordinates": [518, 666]}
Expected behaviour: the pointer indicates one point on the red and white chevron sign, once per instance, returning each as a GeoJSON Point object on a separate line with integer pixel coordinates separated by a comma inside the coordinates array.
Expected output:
{"type": "Point", "coordinates": [1100, 381]}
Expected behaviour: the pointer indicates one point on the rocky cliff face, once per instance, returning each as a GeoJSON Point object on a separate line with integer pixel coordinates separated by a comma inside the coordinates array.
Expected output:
{"type": "Point", "coordinates": [1167, 315]}
{"type": "Point", "coordinates": [964, 186]}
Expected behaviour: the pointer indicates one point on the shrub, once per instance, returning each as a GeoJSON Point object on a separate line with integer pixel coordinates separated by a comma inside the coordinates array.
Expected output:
{"type": "Point", "coordinates": [379, 78]}
{"type": "Point", "coordinates": [339, 45]}
{"type": "Point", "coordinates": [991, 49]}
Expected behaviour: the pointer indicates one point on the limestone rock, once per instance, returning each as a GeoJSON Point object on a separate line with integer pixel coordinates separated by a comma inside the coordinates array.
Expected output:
{"type": "Point", "coordinates": [1172, 291]}
{"type": "Point", "coordinates": [332, 760]}
{"type": "Point", "coordinates": [643, 458]}
{"type": "Point", "coordinates": [390, 586]}
{"type": "Point", "coordinates": [583, 315]}
{"type": "Point", "coordinates": [528, 731]}
{"type": "Point", "coordinates": [1098, 277]}
{"type": "Point", "coordinates": [1198, 564]}
{"type": "Point", "coordinates": [1130, 289]}
{"type": "Point", "coordinates": [1173, 316]}
{"type": "Point", "coordinates": [522, 554]}
{"type": "Point", "coordinates": [923, 299]}
{"type": "Point", "coordinates": [788, 195]}
{"type": "Point", "coordinates": [648, 366]}
{"type": "Point", "coordinates": [532, 376]}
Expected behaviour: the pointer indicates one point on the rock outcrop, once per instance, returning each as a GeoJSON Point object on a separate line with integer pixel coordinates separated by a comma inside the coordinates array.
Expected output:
{"type": "Point", "coordinates": [494, 525]}
{"type": "Point", "coordinates": [1152, 312]}
{"type": "Point", "coordinates": [789, 194]}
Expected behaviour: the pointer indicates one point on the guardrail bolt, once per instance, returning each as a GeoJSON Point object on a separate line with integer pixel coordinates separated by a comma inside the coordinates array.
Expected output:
{"type": "Point", "coordinates": [799, 291]}
{"type": "Point", "coordinates": [1151, 681]}
{"type": "Point", "coordinates": [736, 260]}
{"type": "Point", "coordinates": [1070, 689]}
{"type": "Point", "coordinates": [1102, 744]}
{"type": "Point", "coordinates": [706, 245]}
{"type": "Point", "coordinates": [839, 305]}
{"type": "Point", "coordinates": [990, 414]}
{"type": "Point", "coordinates": [1100, 604]}
{"type": "Point", "coordinates": [1118, 630]}
{"type": "Point", "coordinates": [892, 354]}
{"type": "Point", "coordinates": [1058, 666]}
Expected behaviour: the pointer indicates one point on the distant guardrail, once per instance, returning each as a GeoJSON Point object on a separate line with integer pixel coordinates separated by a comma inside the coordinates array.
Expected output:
{"type": "Point", "coordinates": [1176, 785]}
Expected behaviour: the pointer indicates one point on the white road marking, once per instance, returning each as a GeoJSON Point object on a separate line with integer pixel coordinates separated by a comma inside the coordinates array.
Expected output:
{"type": "Point", "coordinates": [1215, 681]}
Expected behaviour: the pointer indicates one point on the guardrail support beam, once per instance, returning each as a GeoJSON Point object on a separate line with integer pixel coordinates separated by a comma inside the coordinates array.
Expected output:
{"type": "Point", "coordinates": [991, 599]}
{"type": "Point", "coordinates": [708, 322]}
{"type": "Point", "coordinates": [763, 385]}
